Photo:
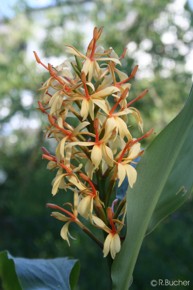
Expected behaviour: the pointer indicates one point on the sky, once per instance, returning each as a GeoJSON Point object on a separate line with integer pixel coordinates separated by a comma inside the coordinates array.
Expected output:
{"type": "Point", "coordinates": [6, 9]}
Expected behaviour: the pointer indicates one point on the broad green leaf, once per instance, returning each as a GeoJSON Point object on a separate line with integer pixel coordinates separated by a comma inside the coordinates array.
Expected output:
{"type": "Point", "coordinates": [38, 274]}
{"type": "Point", "coordinates": [8, 276]}
{"type": "Point", "coordinates": [43, 274]}
{"type": "Point", "coordinates": [153, 172]}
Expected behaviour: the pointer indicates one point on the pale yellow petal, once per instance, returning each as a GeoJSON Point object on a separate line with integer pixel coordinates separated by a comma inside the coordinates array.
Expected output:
{"type": "Point", "coordinates": [122, 127]}
{"type": "Point", "coordinates": [137, 116]}
{"type": "Point", "coordinates": [74, 51]}
{"type": "Point", "coordinates": [59, 216]}
{"type": "Point", "coordinates": [115, 246]}
{"type": "Point", "coordinates": [85, 206]}
{"type": "Point", "coordinates": [80, 127]}
{"type": "Point", "coordinates": [80, 143]}
{"type": "Point", "coordinates": [122, 76]}
{"type": "Point", "coordinates": [96, 155]}
{"type": "Point", "coordinates": [117, 61]}
{"type": "Point", "coordinates": [105, 92]}
{"type": "Point", "coordinates": [64, 232]}
{"type": "Point", "coordinates": [56, 183]}
{"type": "Point", "coordinates": [60, 148]}
{"type": "Point", "coordinates": [101, 104]}
{"type": "Point", "coordinates": [123, 112]}
{"type": "Point", "coordinates": [55, 103]}
{"type": "Point", "coordinates": [97, 221]}
{"type": "Point", "coordinates": [107, 154]}
{"type": "Point", "coordinates": [91, 109]}
{"type": "Point", "coordinates": [75, 181]}
{"type": "Point", "coordinates": [84, 109]}
{"type": "Point", "coordinates": [131, 174]}
{"type": "Point", "coordinates": [107, 244]}
{"type": "Point", "coordinates": [90, 85]}
{"type": "Point", "coordinates": [121, 173]}
{"type": "Point", "coordinates": [134, 151]}
{"type": "Point", "coordinates": [89, 168]}
{"type": "Point", "coordinates": [87, 66]}
{"type": "Point", "coordinates": [110, 125]}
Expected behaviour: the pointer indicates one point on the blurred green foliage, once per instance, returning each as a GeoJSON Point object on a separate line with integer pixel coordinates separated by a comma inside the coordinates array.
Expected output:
{"type": "Point", "coordinates": [159, 38]}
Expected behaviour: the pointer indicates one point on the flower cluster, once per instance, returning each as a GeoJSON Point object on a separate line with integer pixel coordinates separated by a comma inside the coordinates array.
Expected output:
{"type": "Point", "coordinates": [87, 105]}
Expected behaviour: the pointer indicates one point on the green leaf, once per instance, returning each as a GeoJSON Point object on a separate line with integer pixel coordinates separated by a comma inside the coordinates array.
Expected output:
{"type": "Point", "coordinates": [74, 275]}
{"type": "Point", "coordinates": [179, 185]}
{"type": "Point", "coordinates": [9, 279]}
{"type": "Point", "coordinates": [45, 273]}
{"type": "Point", "coordinates": [153, 172]}
{"type": "Point", "coordinates": [38, 274]}
{"type": "Point", "coordinates": [165, 208]}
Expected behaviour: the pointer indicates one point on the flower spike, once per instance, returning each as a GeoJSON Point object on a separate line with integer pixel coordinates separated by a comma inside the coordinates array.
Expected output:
{"type": "Point", "coordinates": [87, 103]}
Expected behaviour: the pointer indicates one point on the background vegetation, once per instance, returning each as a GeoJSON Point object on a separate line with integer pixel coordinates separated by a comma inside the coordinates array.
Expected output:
{"type": "Point", "coordinates": [159, 38]}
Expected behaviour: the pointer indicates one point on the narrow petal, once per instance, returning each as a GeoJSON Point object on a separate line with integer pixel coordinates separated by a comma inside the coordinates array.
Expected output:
{"type": "Point", "coordinates": [131, 174]}
{"type": "Point", "coordinates": [115, 246]}
{"type": "Point", "coordinates": [64, 232]}
{"type": "Point", "coordinates": [80, 143]}
{"type": "Point", "coordinates": [87, 66]}
{"type": "Point", "coordinates": [107, 244]}
{"type": "Point", "coordinates": [75, 181]}
{"type": "Point", "coordinates": [137, 116]}
{"type": "Point", "coordinates": [97, 221]}
{"type": "Point", "coordinates": [110, 125]}
{"type": "Point", "coordinates": [74, 51]}
{"type": "Point", "coordinates": [84, 109]}
{"type": "Point", "coordinates": [81, 126]}
{"type": "Point", "coordinates": [122, 127]}
{"type": "Point", "coordinates": [107, 154]}
{"type": "Point", "coordinates": [121, 173]}
{"type": "Point", "coordinates": [55, 103]}
{"type": "Point", "coordinates": [60, 148]}
{"type": "Point", "coordinates": [56, 183]}
{"type": "Point", "coordinates": [105, 92]}
{"type": "Point", "coordinates": [134, 151]}
{"type": "Point", "coordinates": [117, 61]}
{"type": "Point", "coordinates": [96, 155]}
{"type": "Point", "coordinates": [59, 216]}
{"type": "Point", "coordinates": [91, 109]}
{"type": "Point", "coordinates": [101, 104]}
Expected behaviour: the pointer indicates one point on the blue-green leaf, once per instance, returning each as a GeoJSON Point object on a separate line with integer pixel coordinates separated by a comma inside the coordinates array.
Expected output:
{"type": "Point", "coordinates": [38, 274]}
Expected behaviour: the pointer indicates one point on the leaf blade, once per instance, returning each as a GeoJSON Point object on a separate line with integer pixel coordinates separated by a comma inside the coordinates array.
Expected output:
{"type": "Point", "coordinates": [142, 199]}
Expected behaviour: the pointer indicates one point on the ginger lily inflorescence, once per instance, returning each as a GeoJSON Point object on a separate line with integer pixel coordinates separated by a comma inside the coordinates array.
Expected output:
{"type": "Point", "coordinates": [88, 107]}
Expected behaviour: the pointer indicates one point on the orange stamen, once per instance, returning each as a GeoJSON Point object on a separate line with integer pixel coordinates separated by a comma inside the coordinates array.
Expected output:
{"type": "Point", "coordinates": [110, 218]}
{"type": "Point", "coordinates": [138, 98]}
{"type": "Point", "coordinates": [54, 206]}
{"type": "Point", "coordinates": [96, 125]}
{"type": "Point", "coordinates": [83, 78]}
{"type": "Point", "coordinates": [123, 96]}
{"type": "Point", "coordinates": [133, 73]}
{"type": "Point", "coordinates": [86, 178]}
{"type": "Point", "coordinates": [38, 60]}
{"type": "Point", "coordinates": [132, 142]}
{"type": "Point", "coordinates": [66, 132]}
{"type": "Point", "coordinates": [123, 54]}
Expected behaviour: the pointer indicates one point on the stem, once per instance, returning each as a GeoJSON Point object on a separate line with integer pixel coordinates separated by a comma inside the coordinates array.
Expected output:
{"type": "Point", "coordinates": [89, 233]}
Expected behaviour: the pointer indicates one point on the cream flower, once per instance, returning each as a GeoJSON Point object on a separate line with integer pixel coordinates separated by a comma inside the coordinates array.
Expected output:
{"type": "Point", "coordinates": [112, 243]}
{"type": "Point", "coordinates": [93, 55]}
{"type": "Point", "coordinates": [124, 168]}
